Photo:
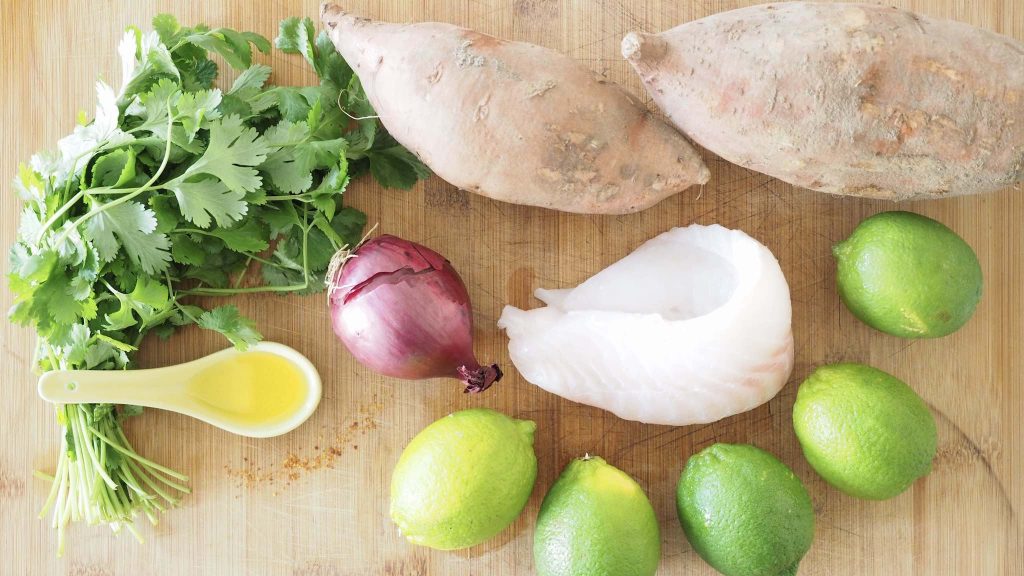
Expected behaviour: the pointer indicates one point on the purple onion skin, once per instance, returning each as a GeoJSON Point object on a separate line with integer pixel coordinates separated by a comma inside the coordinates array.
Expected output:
{"type": "Point", "coordinates": [403, 311]}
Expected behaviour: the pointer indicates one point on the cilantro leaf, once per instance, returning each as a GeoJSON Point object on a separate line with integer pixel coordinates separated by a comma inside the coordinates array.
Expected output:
{"type": "Point", "coordinates": [29, 226]}
{"type": "Point", "coordinates": [358, 105]}
{"type": "Point", "coordinates": [263, 102]}
{"type": "Point", "coordinates": [53, 299]}
{"type": "Point", "coordinates": [168, 215]}
{"type": "Point", "coordinates": [333, 69]}
{"type": "Point", "coordinates": [29, 186]}
{"type": "Point", "coordinates": [35, 267]}
{"type": "Point", "coordinates": [232, 152]}
{"type": "Point", "coordinates": [324, 153]}
{"type": "Point", "coordinates": [251, 236]}
{"type": "Point", "coordinates": [228, 321]}
{"type": "Point", "coordinates": [325, 197]}
{"type": "Point", "coordinates": [166, 25]}
{"type": "Point", "coordinates": [349, 224]}
{"type": "Point", "coordinates": [144, 301]}
{"type": "Point", "coordinates": [149, 293]}
{"type": "Point", "coordinates": [281, 218]}
{"type": "Point", "coordinates": [291, 103]}
{"type": "Point", "coordinates": [288, 171]}
{"type": "Point", "coordinates": [198, 73]}
{"type": "Point", "coordinates": [258, 41]}
{"type": "Point", "coordinates": [144, 59]}
{"type": "Point", "coordinates": [239, 44]}
{"type": "Point", "coordinates": [195, 107]}
{"type": "Point", "coordinates": [296, 36]}
{"type": "Point", "coordinates": [77, 344]}
{"type": "Point", "coordinates": [231, 45]}
{"type": "Point", "coordinates": [250, 81]}
{"type": "Point", "coordinates": [216, 42]}
{"type": "Point", "coordinates": [290, 168]}
{"type": "Point", "coordinates": [114, 169]}
{"type": "Point", "coordinates": [207, 200]}
{"type": "Point", "coordinates": [396, 167]}
{"type": "Point", "coordinates": [121, 319]}
{"type": "Point", "coordinates": [132, 226]}
{"type": "Point", "coordinates": [298, 155]}
{"type": "Point", "coordinates": [287, 133]}
{"type": "Point", "coordinates": [153, 106]}
{"type": "Point", "coordinates": [185, 250]}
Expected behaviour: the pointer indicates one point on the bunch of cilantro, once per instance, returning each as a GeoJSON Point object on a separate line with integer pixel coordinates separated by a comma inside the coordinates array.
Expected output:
{"type": "Point", "coordinates": [177, 188]}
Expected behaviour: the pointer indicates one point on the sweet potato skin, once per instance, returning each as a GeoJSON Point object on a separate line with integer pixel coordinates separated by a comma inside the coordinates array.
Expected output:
{"type": "Point", "coordinates": [851, 99]}
{"type": "Point", "coordinates": [514, 121]}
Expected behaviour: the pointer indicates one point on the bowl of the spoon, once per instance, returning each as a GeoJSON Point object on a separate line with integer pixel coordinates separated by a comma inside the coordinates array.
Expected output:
{"type": "Point", "coordinates": [266, 390]}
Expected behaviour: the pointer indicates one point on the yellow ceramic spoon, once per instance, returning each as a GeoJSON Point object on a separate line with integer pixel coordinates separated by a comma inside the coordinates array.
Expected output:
{"type": "Point", "coordinates": [265, 391]}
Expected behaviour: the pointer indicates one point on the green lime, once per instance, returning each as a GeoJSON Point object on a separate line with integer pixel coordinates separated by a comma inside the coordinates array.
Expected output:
{"type": "Point", "coordinates": [864, 431]}
{"type": "Point", "coordinates": [744, 511]}
{"type": "Point", "coordinates": [908, 275]}
{"type": "Point", "coordinates": [463, 479]}
{"type": "Point", "coordinates": [596, 521]}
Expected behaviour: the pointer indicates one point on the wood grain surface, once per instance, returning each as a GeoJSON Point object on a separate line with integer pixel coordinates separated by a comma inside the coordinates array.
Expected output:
{"type": "Point", "coordinates": [314, 502]}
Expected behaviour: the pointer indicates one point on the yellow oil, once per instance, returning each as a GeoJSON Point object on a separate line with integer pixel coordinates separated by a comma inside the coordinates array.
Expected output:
{"type": "Point", "coordinates": [250, 389]}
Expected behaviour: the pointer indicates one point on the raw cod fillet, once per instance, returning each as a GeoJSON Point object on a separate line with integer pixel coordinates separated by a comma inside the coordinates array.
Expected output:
{"type": "Point", "coordinates": [692, 327]}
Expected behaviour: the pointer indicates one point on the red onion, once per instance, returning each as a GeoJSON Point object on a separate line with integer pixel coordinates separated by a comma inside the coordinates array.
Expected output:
{"type": "Point", "coordinates": [403, 311]}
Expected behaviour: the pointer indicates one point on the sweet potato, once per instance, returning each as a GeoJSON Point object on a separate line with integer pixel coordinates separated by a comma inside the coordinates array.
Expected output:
{"type": "Point", "coordinates": [514, 121]}
{"type": "Point", "coordinates": [845, 98]}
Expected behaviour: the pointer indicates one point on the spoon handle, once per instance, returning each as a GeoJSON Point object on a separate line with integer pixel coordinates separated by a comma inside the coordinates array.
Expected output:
{"type": "Point", "coordinates": [142, 387]}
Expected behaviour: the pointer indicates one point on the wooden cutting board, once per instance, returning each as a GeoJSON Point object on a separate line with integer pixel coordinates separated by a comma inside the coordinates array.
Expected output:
{"type": "Point", "coordinates": [315, 502]}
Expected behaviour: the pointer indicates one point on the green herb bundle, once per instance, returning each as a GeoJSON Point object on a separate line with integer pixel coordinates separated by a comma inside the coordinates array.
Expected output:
{"type": "Point", "coordinates": [174, 189]}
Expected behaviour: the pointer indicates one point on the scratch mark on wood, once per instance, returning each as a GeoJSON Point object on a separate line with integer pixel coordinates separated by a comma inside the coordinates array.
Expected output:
{"type": "Point", "coordinates": [971, 448]}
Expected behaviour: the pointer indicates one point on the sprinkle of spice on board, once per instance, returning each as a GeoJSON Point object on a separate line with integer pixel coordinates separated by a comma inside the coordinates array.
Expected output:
{"type": "Point", "coordinates": [327, 449]}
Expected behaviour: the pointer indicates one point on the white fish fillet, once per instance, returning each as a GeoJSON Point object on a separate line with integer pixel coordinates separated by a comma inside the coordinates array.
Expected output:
{"type": "Point", "coordinates": [692, 327]}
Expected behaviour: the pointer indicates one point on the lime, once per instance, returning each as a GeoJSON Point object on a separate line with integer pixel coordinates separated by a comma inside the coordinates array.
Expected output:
{"type": "Point", "coordinates": [596, 521]}
{"type": "Point", "coordinates": [463, 479]}
{"type": "Point", "coordinates": [864, 431]}
{"type": "Point", "coordinates": [908, 275]}
{"type": "Point", "coordinates": [744, 511]}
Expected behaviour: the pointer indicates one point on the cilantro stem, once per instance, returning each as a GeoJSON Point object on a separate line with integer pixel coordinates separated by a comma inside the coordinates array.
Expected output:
{"type": "Point", "coordinates": [112, 290]}
{"type": "Point", "coordinates": [305, 244]}
{"type": "Point", "coordinates": [104, 207]}
{"type": "Point", "coordinates": [60, 212]}
{"type": "Point", "coordinates": [154, 321]}
{"type": "Point", "coordinates": [79, 418]}
{"type": "Point", "coordinates": [134, 532]}
{"type": "Point", "coordinates": [135, 455]}
{"type": "Point", "coordinates": [151, 467]}
{"type": "Point", "coordinates": [130, 465]}
{"type": "Point", "coordinates": [185, 311]}
{"type": "Point", "coordinates": [245, 271]}
{"type": "Point", "coordinates": [106, 190]}
{"type": "Point", "coordinates": [54, 362]}
{"type": "Point", "coordinates": [55, 485]}
{"type": "Point", "coordinates": [263, 261]}
{"type": "Point", "coordinates": [253, 290]}
{"type": "Point", "coordinates": [297, 197]}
